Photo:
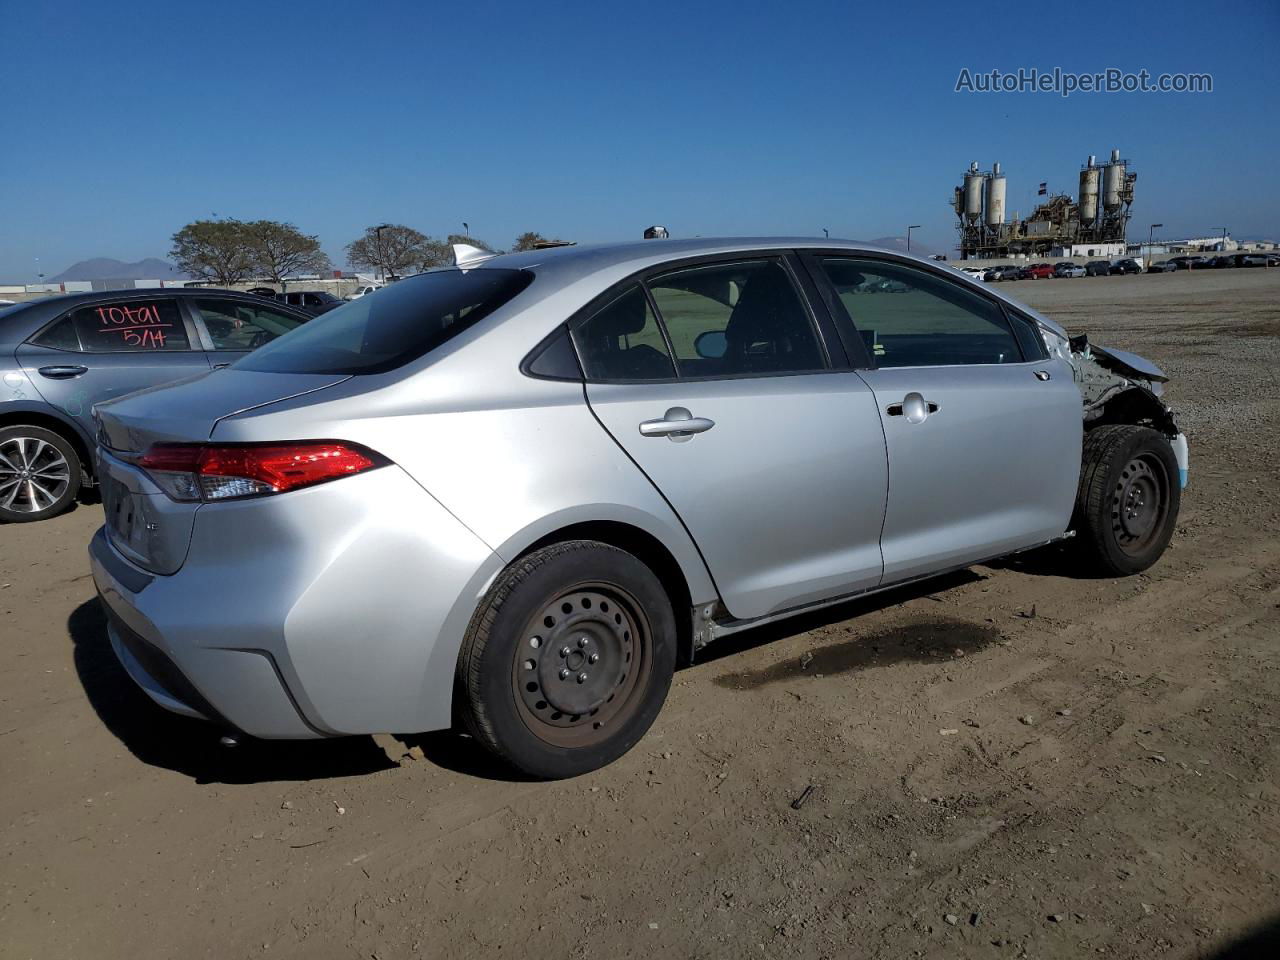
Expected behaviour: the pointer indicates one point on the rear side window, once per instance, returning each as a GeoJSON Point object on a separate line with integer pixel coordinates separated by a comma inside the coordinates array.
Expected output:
{"type": "Point", "coordinates": [131, 326]}
{"type": "Point", "coordinates": [398, 324]}
{"type": "Point", "coordinates": [734, 319]}
{"type": "Point", "coordinates": [237, 325]}
{"type": "Point", "coordinates": [622, 341]}
{"type": "Point", "coordinates": [910, 318]}
{"type": "Point", "coordinates": [59, 336]}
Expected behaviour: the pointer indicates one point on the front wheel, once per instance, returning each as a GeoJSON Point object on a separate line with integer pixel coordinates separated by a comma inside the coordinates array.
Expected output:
{"type": "Point", "coordinates": [568, 659]}
{"type": "Point", "coordinates": [1128, 500]}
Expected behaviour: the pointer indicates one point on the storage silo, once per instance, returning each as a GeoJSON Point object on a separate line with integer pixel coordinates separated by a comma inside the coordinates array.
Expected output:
{"type": "Point", "coordinates": [995, 197]}
{"type": "Point", "coordinates": [973, 193]}
{"type": "Point", "coordinates": [1113, 183]}
{"type": "Point", "coordinates": [1089, 178]}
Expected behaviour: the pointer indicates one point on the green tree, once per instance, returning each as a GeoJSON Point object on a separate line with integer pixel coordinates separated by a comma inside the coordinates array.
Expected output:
{"type": "Point", "coordinates": [435, 253]}
{"type": "Point", "coordinates": [463, 238]}
{"type": "Point", "coordinates": [280, 249]}
{"type": "Point", "coordinates": [389, 249]}
{"type": "Point", "coordinates": [214, 250]}
{"type": "Point", "coordinates": [530, 241]}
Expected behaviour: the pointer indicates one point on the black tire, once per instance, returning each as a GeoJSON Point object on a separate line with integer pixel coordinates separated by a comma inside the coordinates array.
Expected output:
{"type": "Point", "coordinates": [1128, 501]}
{"type": "Point", "coordinates": [518, 688]}
{"type": "Point", "coordinates": [39, 474]}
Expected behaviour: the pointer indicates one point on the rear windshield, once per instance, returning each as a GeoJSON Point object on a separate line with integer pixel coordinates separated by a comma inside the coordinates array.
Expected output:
{"type": "Point", "coordinates": [391, 327]}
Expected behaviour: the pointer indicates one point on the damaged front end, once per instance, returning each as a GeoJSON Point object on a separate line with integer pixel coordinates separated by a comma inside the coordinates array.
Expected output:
{"type": "Point", "coordinates": [1119, 387]}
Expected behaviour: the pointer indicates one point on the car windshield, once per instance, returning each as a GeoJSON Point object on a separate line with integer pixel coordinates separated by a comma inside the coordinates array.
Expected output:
{"type": "Point", "coordinates": [399, 324]}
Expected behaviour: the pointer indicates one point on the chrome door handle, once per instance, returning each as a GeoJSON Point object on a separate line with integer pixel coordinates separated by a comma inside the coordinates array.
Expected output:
{"type": "Point", "coordinates": [677, 424]}
{"type": "Point", "coordinates": [913, 406]}
{"type": "Point", "coordinates": [63, 372]}
{"type": "Point", "coordinates": [1043, 375]}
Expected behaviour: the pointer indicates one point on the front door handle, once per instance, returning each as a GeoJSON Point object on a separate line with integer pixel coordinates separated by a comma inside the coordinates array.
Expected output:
{"type": "Point", "coordinates": [677, 424]}
{"type": "Point", "coordinates": [67, 372]}
{"type": "Point", "coordinates": [914, 407]}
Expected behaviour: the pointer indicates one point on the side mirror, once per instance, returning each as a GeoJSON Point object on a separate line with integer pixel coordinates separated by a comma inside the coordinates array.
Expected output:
{"type": "Point", "coordinates": [710, 345]}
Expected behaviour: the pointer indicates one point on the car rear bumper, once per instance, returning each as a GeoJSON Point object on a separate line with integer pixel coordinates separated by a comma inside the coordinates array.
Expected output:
{"type": "Point", "coordinates": [337, 609]}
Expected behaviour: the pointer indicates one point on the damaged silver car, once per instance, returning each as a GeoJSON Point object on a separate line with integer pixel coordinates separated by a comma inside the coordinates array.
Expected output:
{"type": "Point", "coordinates": [514, 494]}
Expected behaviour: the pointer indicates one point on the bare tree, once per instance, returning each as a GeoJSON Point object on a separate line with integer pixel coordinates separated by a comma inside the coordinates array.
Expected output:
{"type": "Point", "coordinates": [391, 248]}
{"type": "Point", "coordinates": [213, 249]}
{"type": "Point", "coordinates": [280, 249]}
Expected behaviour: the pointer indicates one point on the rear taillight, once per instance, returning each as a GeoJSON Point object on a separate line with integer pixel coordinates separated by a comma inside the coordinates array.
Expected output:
{"type": "Point", "coordinates": [191, 472]}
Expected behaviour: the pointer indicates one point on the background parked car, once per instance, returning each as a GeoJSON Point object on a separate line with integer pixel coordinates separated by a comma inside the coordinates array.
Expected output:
{"type": "Point", "coordinates": [1252, 260]}
{"type": "Point", "coordinates": [1037, 271]}
{"type": "Point", "coordinates": [1068, 269]}
{"type": "Point", "coordinates": [1126, 266]}
{"type": "Point", "coordinates": [1007, 272]}
{"type": "Point", "coordinates": [313, 302]}
{"type": "Point", "coordinates": [61, 355]}
{"type": "Point", "coordinates": [1098, 268]}
{"type": "Point", "coordinates": [1163, 266]}
{"type": "Point", "coordinates": [363, 291]}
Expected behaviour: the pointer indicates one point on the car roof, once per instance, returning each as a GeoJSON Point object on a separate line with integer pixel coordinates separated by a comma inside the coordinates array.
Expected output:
{"type": "Point", "coordinates": [635, 255]}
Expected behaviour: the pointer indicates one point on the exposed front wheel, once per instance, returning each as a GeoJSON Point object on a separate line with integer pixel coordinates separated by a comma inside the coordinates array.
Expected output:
{"type": "Point", "coordinates": [39, 474]}
{"type": "Point", "coordinates": [568, 659]}
{"type": "Point", "coordinates": [1128, 500]}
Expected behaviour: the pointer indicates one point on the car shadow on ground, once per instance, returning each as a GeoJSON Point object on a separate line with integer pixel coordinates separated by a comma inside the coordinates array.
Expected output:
{"type": "Point", "coordinates": [191, 747]}
{"type": "Point", "coordinates": [851, 609]}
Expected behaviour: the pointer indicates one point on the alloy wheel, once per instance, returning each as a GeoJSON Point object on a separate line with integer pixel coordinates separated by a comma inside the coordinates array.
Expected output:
{"type": "Point", "coordinates": [34, 475]}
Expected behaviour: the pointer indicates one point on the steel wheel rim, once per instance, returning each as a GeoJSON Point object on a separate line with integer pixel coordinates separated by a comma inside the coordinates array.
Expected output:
{"type": "Point", "coordinates": [1139, 504]}
{"type": "Point", "coordinates": [563, 696]}
{"type": "Point", "coordinates": [34, 475]}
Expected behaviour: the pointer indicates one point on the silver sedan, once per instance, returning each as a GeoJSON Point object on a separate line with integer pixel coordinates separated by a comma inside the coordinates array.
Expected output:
{"type": "Point", "coordinates": [515, 494]}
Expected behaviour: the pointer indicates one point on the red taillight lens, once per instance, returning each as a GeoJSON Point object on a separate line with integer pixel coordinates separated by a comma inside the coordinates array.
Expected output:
{"type": "Point", "coordinates": [226, 472]}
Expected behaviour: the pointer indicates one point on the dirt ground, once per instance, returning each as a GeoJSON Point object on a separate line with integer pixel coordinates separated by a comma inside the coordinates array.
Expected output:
{"type": "Point", "coordinates": [1006, 762]}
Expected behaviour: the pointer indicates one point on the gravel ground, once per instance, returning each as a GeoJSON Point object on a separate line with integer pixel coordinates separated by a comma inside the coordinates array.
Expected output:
{"type": "Point", "coordinates": [1005, 762]}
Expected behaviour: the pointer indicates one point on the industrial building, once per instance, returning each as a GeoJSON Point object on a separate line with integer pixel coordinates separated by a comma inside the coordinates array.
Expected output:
{"type": "Point", "coordinates": [1093, 225]}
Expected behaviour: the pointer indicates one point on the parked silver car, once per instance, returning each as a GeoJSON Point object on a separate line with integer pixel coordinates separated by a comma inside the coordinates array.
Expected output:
{"type": "Point", "coordinates": [517, 493]}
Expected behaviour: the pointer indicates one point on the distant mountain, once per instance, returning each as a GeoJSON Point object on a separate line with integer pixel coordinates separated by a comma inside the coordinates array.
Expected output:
{"type": "Point", "coordinates": [900, 244]}
{"type": "Point", "coordinates": [105, 268]}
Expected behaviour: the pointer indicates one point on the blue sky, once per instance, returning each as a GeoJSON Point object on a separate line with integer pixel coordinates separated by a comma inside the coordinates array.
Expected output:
{"type": "Point", "coordinates": [592, 120]}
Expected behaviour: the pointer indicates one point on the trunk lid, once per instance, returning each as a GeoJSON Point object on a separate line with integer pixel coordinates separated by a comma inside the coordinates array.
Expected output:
{"type": "Point", "coordinates": [142, 522]}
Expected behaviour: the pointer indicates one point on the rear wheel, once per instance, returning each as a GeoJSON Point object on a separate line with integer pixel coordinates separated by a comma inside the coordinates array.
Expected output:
{"type": "Point", "coordinates": [568, 659]}
{"type": "Point", "coordinates": [1128, 500]}
{"type": "Point", "coordinates": [39, 474]}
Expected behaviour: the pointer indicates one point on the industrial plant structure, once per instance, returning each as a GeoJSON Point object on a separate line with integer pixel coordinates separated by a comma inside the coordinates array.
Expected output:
{"type": "Point", "coordinates": [1092, 225]}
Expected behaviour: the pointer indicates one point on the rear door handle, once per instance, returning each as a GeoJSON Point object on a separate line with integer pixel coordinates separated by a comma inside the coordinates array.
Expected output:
{"type": "Point", "coordinates": [68, 372]}
{"type": "Point", "coordinates": [914, 407]}
{"type": "Point", "coordinates": [677, 424]}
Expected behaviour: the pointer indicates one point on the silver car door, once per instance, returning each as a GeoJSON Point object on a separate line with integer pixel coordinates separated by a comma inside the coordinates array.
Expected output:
{"type": "Point", "coordinates": [983, 430]}
{"type": "Point", "coordinates": [774, 462]}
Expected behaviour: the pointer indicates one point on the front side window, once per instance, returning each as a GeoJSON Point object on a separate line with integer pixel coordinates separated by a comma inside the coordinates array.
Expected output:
{"type": "Point", "coordinates": [237, 325]}
{"type": "Point", "coordinates": [622, 341]}
{"type": "Point", "coordinates": [910, 318]}
{"type": "Point", "coordinates": [735, 319]}
{"type": "Point", "coordinates": [131, 326]}
{"type": "Point", "coordinates": [403, 323]}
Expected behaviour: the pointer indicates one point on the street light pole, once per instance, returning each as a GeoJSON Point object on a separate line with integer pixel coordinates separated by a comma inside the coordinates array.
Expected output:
{"type": "Point", "coordinates": [1150, 234]}
{"type": "Point", "coordinates": [914, 226]}
{"type": "Point", "coordinates": [1224, 238]}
